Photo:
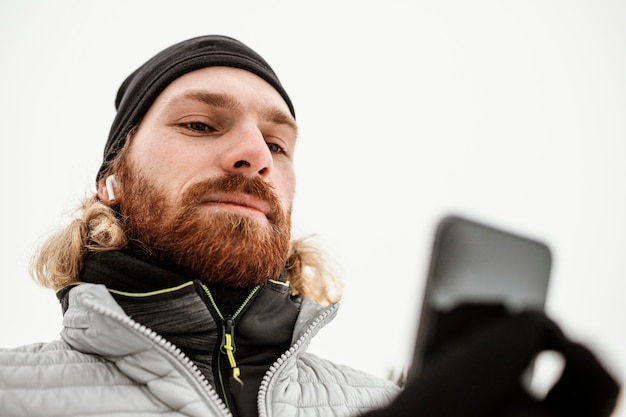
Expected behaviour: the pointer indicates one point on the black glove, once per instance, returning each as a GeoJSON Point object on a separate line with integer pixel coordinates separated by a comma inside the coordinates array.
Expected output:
{"type": "Point", "coordinates": [479, 373]}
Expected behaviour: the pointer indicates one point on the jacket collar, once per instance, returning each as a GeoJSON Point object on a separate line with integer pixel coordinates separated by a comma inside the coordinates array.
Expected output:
{"type": "Point", "coordinates": [94, 323]}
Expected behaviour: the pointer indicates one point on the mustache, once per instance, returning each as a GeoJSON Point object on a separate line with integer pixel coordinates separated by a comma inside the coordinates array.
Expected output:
{"type": "Point", "coordinates": [199, 192]}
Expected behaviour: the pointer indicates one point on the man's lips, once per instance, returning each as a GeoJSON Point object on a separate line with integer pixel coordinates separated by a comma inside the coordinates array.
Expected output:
{"type": "Point", "coordinates": [239, 202]}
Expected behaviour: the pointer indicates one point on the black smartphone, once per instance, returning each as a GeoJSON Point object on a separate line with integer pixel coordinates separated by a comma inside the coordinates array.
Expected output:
{"type": "Point", "coordinates": [478, 271]}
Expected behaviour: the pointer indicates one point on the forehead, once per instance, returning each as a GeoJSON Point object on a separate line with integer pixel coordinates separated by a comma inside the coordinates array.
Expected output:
{"type": "Point", "coordinates": [243, 86]}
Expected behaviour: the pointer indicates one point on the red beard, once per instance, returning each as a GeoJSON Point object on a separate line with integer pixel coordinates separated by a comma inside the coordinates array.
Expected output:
{"type": "Point", "coordinates": [217, 247]}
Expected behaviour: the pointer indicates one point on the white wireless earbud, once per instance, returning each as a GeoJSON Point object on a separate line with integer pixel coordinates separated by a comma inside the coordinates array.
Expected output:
{"type": "Point", "coordinates": [111, 184]}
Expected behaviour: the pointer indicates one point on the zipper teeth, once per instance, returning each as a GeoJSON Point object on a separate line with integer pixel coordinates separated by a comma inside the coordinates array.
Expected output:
{"type": "Point", "coordinates": [208, 293]}
{"type": "Point", "coordinates": [241, 307]}
{"type": "Point", "coordinates": [167, 346]}
{"type": "Point", "coordinates": [246, 301]}
{"type": "Point", "coordinates": [285, 356]}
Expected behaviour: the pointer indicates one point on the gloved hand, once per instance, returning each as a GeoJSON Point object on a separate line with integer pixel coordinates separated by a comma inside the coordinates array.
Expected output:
{"type": "Point", "coordinates": [478, 374]}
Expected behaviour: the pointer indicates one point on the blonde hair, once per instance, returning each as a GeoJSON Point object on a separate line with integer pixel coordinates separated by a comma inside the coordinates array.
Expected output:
{"type": "Point", "coordinates": [311, 273]}
{"type": "Point", "coordinates": [59, 260]}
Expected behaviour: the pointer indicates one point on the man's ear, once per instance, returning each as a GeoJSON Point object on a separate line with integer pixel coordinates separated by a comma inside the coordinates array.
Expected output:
{"type": "Point", "coordinates": [108, 191]}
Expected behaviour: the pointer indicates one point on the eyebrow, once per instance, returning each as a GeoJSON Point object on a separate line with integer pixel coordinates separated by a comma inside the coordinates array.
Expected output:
{"type": "Point", "coordinates": [230, 102]}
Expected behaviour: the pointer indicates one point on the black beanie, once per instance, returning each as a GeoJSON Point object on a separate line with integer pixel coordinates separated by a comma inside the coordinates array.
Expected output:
{"type": "Point", "coordinates": [141, 88]}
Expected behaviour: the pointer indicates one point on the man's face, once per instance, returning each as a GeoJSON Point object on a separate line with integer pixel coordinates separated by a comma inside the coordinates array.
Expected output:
{"type": "Point", "coordinates": [208, 183]}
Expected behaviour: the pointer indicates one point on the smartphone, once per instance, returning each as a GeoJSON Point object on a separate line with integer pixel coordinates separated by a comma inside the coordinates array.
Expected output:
{"type": "Point", "coordinates": [482, 269]}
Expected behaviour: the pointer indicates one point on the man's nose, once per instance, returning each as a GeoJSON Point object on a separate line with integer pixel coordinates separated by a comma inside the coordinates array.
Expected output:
{"type": "Point", "coordinates": [248, 153]}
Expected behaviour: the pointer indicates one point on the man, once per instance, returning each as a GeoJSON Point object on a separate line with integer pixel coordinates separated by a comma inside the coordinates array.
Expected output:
{"type": "Point", "coordinates": [182, 290]}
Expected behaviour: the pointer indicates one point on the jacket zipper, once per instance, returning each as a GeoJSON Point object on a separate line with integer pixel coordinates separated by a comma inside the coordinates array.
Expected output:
{"type": "Point", "coordinates": [170, 349]}
{"type": "Point", "coordinates": [280, 362]}
{"type": "Point", "coordinates": [228, 345]}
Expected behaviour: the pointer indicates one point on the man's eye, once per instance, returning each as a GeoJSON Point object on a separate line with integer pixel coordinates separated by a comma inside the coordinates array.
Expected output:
{"type": "Point", "coordinates": [199, 127]}
{"type": "Point", "coordinates": [274, 148]}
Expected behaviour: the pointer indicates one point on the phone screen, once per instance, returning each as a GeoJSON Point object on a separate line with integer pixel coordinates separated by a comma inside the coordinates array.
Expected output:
{"type": "Point", "coordinates": [477, 272]}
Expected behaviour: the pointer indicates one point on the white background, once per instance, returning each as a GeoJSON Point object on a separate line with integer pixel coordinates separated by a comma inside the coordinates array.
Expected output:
{"type": "Point", "coordinates": [513, 113]}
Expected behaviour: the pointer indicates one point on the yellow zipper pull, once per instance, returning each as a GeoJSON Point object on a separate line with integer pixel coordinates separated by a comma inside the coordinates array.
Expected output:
{"type": "Point", "coordinates": [228, 346]}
